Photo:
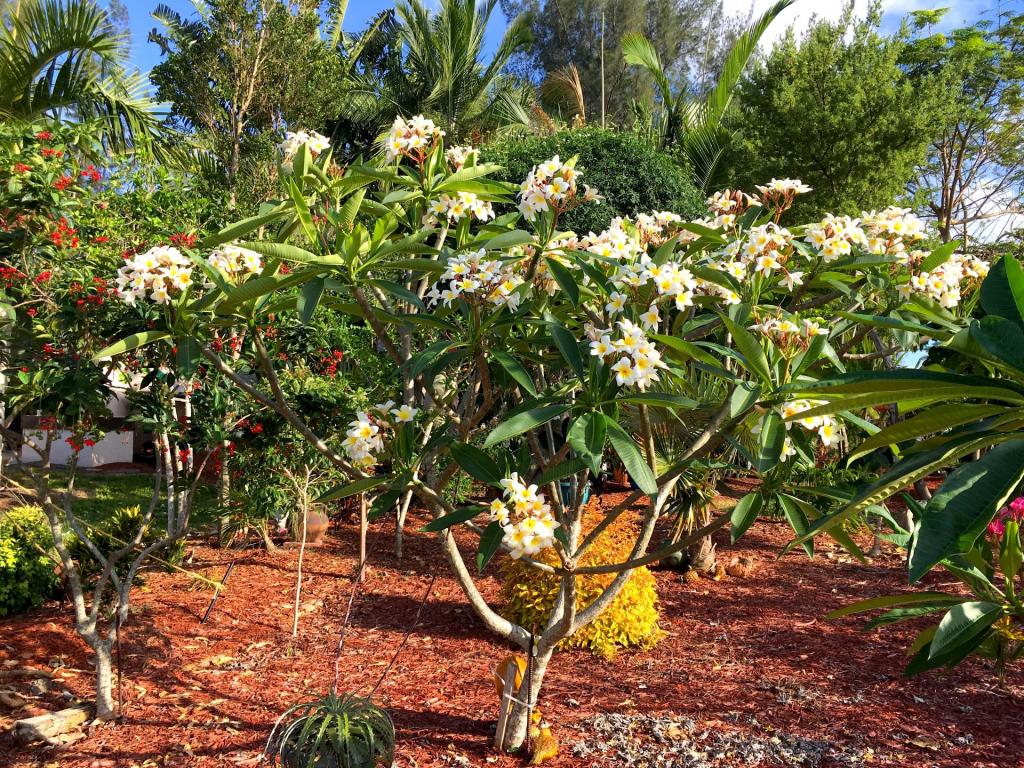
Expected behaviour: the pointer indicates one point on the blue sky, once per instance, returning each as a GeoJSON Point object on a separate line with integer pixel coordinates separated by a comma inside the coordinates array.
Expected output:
{"type": "Point", "coordinates": [146, 54]}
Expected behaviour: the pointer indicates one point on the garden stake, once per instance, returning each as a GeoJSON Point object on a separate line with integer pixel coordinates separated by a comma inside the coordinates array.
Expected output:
{"type": "Point", "coordinates": [216, 594]}
{"type": "Point", "coordinates": [117, 643]}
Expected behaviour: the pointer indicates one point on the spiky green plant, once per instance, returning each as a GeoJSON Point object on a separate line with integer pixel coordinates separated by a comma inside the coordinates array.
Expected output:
{"type": "Point", "coordinates": [335, 731]}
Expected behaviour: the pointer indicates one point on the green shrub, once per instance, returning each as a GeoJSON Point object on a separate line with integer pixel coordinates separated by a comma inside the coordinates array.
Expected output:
{"type": "Point", "coordinates": [27, 572]}
{"type": "Point", "coordinates": [631, 621]}
{"type": "Point", "coordinates": [110, 534]}
{"type": "Point", "coordinates": [632, 176]}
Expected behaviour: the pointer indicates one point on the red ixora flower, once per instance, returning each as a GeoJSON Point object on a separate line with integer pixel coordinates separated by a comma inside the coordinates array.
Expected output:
{"type": "Point", "coordinates": [184, 239]}
{"type": "Point", "coordinates": [256, 429]}
{"type": "Point", "coordinates": [44, 135]}
{"type": "Point", "coordinates": [91, 174]}
{"type": "Point", "coordinates": [50, 152]}
{"type": "Point", "coordinates": [63, 183]}
{"type": "Point", "coordinates": [43, 277]}
{"type": "Point", "coordinates": [22, 168]}
{"type": "Point", "coordinates": [100, 240]}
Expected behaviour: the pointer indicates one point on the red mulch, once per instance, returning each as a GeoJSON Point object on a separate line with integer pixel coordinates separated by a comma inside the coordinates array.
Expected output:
{"type": "Point", "coordinates": [207, 695]}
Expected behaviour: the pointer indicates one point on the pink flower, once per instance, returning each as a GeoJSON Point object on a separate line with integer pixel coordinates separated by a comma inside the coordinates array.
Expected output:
{"type": "Point", "coordinates": [996, 528]}
{"type": "Point", "coordinates": [1017, 508]}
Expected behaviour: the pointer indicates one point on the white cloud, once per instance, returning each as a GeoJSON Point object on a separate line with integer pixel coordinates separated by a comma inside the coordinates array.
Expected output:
{"type": "Point", "coordinates": [801, 12]}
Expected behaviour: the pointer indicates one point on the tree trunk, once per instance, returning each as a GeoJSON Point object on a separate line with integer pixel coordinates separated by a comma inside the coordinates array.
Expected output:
{"type": "Point", "coordinates": [519, 718]}
{"type": "Point", "coordinates": [703, 555]}
{"type": "Point", "coordinates": [403, 510]}
{"type": "Point", "coordinates": [106, 706]}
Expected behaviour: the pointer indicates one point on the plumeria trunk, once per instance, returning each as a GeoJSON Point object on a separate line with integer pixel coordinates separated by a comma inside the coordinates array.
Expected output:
{"type": "Point", "coordinates": [518, 722]}
{"type": "Point", "coordinates": [106, 704]}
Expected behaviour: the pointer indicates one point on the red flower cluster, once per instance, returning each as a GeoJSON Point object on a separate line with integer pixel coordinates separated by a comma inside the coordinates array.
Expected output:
{"type": "Point", "coordinates": [31, 311]}
{"type": "Point", "coordinates": [96, 294]}
{"type": "Point", "coordinates": [43, 277]}
{"type": "Point", "coordinates": [183, 455]}
{"type": "Point", "coordinates": [183, 239]}
{"type": "Point", "coordinates": [10, 276]}
{"type": "Point", "coordinates": [63, 183]}
{"type": "Point", "coordinates": [256, 429]}
{"type": "Point", "coordinates": [91, 174]}
{"type": "Point", "coordinates": [77, 446]}
{"type": "Point", "coordinates": [64, 235]}
{"type": "Point", "coordinates": [22, 168]}
{"type": "Point", "coordinates": [49, 152]}
{"type": "Point", "coordinates": [44, 135]}
{"type": "Point", "coordinates": [101, 239]}
{"type": "Point", "coordinates": [284, 270]}
{"type": "Point", "coordinates": [50, 351]}
{"type": "Point", "coordinates": [330, 363]}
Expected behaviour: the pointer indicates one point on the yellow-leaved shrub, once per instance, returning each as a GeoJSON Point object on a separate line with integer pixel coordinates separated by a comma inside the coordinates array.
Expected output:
{"type": "Point", "coordinates": [631, 621]}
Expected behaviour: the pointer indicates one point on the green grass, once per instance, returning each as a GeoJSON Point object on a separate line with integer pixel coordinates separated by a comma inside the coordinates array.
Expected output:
{"type": "Point", "coordinates": [98, 496]}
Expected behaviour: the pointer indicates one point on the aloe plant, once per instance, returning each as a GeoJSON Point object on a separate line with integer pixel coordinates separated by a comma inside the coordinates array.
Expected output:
{"type": "Point", "coordinates": [336, 731]}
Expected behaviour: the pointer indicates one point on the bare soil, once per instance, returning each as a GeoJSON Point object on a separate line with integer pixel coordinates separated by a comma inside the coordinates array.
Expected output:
{"type": "Point", "coordinates": [750, 673]}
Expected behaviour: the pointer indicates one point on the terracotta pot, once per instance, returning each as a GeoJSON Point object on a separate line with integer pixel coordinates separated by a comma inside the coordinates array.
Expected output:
{"type": "Point", "coordinates": [317, 523]}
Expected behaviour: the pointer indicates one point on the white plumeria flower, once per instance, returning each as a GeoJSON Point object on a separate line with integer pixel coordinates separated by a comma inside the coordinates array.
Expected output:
{"type": "Point", "coordinates": [404, 413]}
{"type": "Point", "coordinates": [616, 303]}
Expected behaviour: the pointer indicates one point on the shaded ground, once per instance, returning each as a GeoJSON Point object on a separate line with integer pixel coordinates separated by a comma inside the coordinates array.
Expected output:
{"type": "Point", "coordinates": [748, 675]}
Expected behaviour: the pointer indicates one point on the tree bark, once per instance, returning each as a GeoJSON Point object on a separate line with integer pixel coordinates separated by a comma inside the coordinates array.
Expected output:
{"type": "Point", "coordinates": [106, 706]}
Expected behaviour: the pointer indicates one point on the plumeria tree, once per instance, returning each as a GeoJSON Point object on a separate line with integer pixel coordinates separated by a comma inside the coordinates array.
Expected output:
{"type": "Point", "coordinates": [58, 309]}
{"type": "Point", "coordinates": [529, 355]}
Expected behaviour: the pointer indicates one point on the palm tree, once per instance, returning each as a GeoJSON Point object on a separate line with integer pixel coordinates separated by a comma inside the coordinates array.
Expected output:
{"type": "Point", "coordinates": [64, 59]}
{"type": "Point", "coordinates": [444, 65]}
{"type": "Point", "coordinates": [696, 124]}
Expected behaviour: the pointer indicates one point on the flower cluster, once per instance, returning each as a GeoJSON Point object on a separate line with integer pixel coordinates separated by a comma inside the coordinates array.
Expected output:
{"type": "Point", "coordinates": [779, 193]}
{"type": "Point", "coordinates": [615, 242]}
{"type": "Point", "coordinates": [638, 360]}
{"type": "Point", "coordinates": [943, 284]}
{"type": "Point", "coordinates": [364, 438]}
{"type": "Point", "coordinates": [1014, 511]}
{"type": "Point", "coordinates": [790, 334]}
{"type": "Point", "coordinates": [457, 208]}
{"type": "Point", "coordinates": [64, 236]}
{"type": "Point", "coordinates": [551, 186]}
{"type": "Point", "coordinates": [835, 236]}
{"type": "Point", "coordinates": [235, 263]}
{"type": "Point", "coordinates": [658, 227]}
{"type": "Point", "coordinates": [414, 138]}
{"type": "Point", "coordinates": [293, 142]}
{"type": "Point", "coordinates": [161, 272]}
{"type": "Point", "coordinates": [472, 275]}
{"type": "Point", "coordinates": [890, 230]}
{"type": "Point", "coordinates": [524, 517]}
{"type": "Point", "coordinates": [457, 157]}
{"type": "Point", "coordinates": [825, 426]}
{"type": "Point", "coordinates": [730, 201]}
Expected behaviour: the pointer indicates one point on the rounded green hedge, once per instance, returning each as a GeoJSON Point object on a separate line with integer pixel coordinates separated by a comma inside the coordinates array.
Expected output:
{"type": "Point", "coordinates": [27, 573]}
{"type": "Point", "coordinates": [632, 176]}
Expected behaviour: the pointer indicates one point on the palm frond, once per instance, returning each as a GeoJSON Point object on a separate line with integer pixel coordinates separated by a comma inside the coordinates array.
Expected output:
{"type": "Point", "coordinates": [565, 85]}
{"type": "Point", "coordinates": [720, 97]}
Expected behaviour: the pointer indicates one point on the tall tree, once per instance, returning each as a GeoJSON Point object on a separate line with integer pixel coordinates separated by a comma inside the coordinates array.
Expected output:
{"type": "Point", "coordinates": [65, 59]}
{"type": "Point", "coordinates": [689, 37]}
{"type": "Point", "coordinates": [240, 71]}
{"type": "Point", "coordinates": [835, 109]}
{"type": "Point", "coordinates": [973, 181]}
{"type": "Point", "coordinates": [444, 60]}
{"type": "Point", "coordinates": [696, 124]}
